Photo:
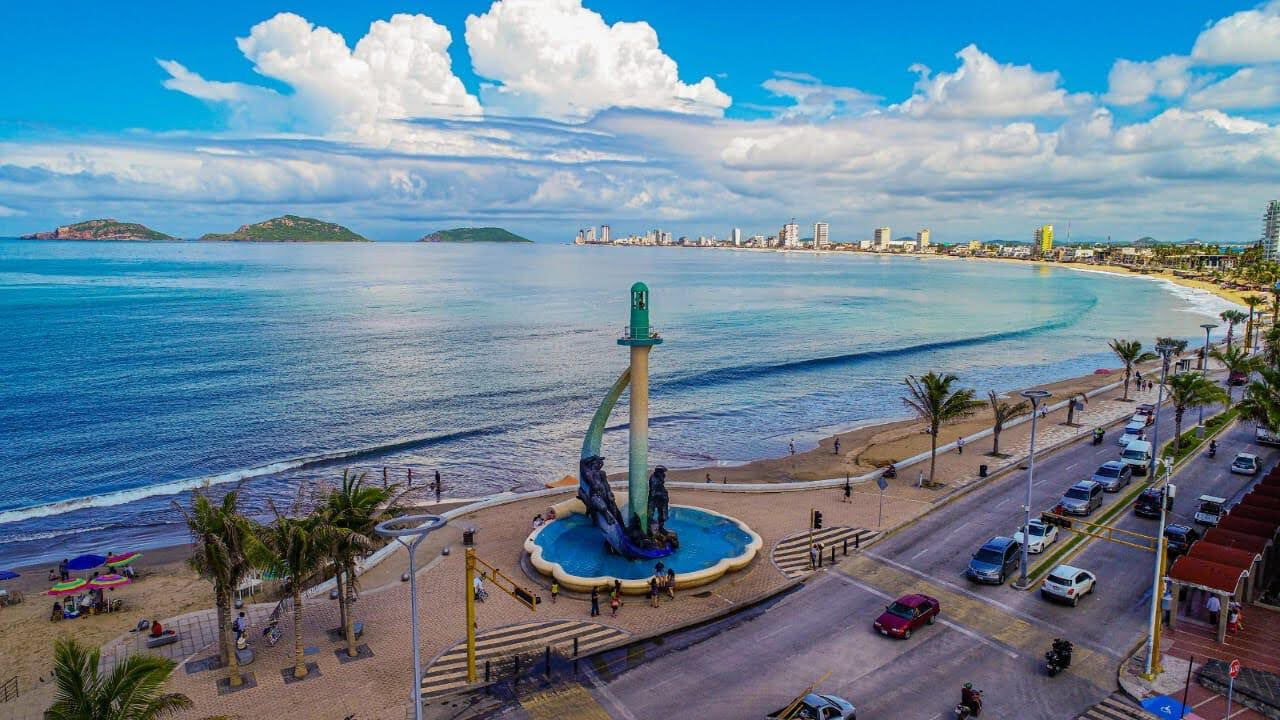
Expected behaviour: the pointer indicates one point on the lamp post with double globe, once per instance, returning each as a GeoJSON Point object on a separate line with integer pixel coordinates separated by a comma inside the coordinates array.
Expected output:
{"type": "Point", "coordinates": [1035, 396]}
{"type": "Point", "coordinates": [409, 531]}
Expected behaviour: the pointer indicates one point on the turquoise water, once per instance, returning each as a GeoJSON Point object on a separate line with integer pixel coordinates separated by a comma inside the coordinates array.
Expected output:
{"type": "Point", "coordinates": [133, 372]}
{"type": "Point", "coordinates": [705, 540]}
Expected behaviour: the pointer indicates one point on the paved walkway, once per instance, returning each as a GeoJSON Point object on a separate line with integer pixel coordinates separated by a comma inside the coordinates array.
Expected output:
{"type": "Point", "coordinates": [791, 554]}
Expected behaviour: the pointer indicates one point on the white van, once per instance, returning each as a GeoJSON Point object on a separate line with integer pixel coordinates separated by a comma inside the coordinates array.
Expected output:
{"type": "Point", "coordinates": [1137, 455]}
{"type": "Point", "coordinates": [1133, 431]}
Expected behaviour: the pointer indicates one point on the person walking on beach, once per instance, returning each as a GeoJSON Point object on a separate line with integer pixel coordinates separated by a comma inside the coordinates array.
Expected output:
{"type": "Point", "coordinates": [837, 445]}
{"type": "Point", "coordinates": [437, 483]}
{"type": "Point", "coordinates": [62, 570]}
{"type": "Point", "coordinates": [792, 444]}
{"type": "Point", "coordinates": [708, 478]}
{"type": "Point", "coordinates": [960, 445]}
{"type": "Point", "coordinates": [555, 590]}
{"type": "Point", "coordinates": [595, 601]}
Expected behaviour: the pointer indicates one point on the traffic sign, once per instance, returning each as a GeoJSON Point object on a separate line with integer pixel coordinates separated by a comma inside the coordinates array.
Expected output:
{"type": "Point", "coordinates": [1235, 668]}
{"type": "Point", "coordinates": [882, 482]}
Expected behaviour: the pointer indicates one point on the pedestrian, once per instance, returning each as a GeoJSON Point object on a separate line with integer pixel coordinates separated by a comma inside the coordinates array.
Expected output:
{"type": "Point", "coordinates": [1044, 411]}
{"type": "Point", "coordinates": [614, 603]}
{"type": "Point", "coordinates": [671, 583]}
{"type": "Point", "coordinates": [813, 557]}
{"type": "Point", "coordinates": [438, 487]}
{"type": "Point", "coordinates": [792, 444]}
{"type": "Point", "coordinates": [595, 601]}
{"type": "Point", "coordinates": [617, 588]}
{"type": "Point", "coordinates": [820, 548]}
{"type": "Point", "coordinates": [848, 490]}
{"type": "Point", "coordinates": [1138, 374]}
{"type": "Point", "coordinates": [960, 445]}
{"type": "Point", "coordinates": [239, 626]}
{"type": "Point", "coordinates": [1166, 603]}
{"type": "Point", "coordinates": [653, 592]}
{"type": "Point", "coordinates": [555, 590]}
{"type": "Point", "coordinates": [920, 479]}
{"type": "Point", "coordinates": [837, 451]}
{"type": "Point", "coordinates": [708, 478]}
{"type": "Point", "coordinates": [1214, 606]}
{"type": "Point", "coordinates": [724, 480]}
{"type": "Point", "coordinates": [63, 573]}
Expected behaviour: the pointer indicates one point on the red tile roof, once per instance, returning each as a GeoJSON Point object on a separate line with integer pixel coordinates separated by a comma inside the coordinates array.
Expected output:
{"type": "Point", "coordinates": [1249, 527]}
{"type": "Point", "coordinates": [1206, 574]}
{"type": "Point", "coordinates": [1222, 536]}
{"type": "Point", "coordinates": [1254, 499]}
{"type": "Point", "coordinates": [1222, 554]}
{"type": "Point", "coordinates": [1261, 514]}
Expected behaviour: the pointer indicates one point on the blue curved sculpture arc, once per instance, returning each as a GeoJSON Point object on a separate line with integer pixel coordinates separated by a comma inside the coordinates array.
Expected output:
{"type": "Point", "coordinates": [593, 486]}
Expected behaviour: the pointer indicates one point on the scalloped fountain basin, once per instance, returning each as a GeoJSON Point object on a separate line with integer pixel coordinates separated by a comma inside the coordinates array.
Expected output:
{"type": "Point", "coordinates": [711, 544]}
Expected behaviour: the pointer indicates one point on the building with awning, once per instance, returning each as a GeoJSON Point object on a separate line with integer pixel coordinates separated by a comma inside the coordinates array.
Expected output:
{"type": "Point", "coordinates": [1207, 576]}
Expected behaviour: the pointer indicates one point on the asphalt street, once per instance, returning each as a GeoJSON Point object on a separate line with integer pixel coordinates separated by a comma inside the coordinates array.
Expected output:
{"type": "Point", "coordinates": [993, 636]}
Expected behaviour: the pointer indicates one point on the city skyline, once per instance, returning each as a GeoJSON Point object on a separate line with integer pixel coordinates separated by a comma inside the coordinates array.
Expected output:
{"type": "Point", "coordinates": [397, 123]}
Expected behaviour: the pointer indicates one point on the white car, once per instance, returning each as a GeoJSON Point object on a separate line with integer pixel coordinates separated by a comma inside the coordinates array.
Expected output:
{"type": "Point", "coordinates": [1068, 583]}
{"type": "Point", "coordinates": [1041, 536]}
{"type": "Point", "coordinates": [1246, 464]}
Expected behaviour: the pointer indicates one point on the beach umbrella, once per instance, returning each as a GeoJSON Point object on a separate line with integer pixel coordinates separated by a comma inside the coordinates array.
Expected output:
{"type": "Point", "coordinates": [85, 562]}
{"type": "Point", "coordinates": [106, 582]}
{"type": "Point", "coordinates": [69, 587]}
{"type": "Point", "coordinates": [1102, 371]}
{"type": "Point", "coordinates": [122, 559]}
{"type": "Point", "coordinates": [8, 575]}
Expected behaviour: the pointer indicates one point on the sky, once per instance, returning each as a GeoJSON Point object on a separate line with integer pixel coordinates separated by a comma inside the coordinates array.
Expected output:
{"type": "Point", "coordinates": [1121, 120]}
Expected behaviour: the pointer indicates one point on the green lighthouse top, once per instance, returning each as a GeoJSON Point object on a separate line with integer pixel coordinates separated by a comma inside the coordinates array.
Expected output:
{"type": "Point", "coordinates": [639, 332]}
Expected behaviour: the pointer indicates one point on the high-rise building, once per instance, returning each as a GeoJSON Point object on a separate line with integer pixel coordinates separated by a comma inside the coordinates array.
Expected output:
{"type": "Point", "coordinates": [591, 234]}
{"type": "Point", "coordinates": [789, 235]}
{"type": "Point", "coordinates": [1271, 231]}
{"type": "Point", "coordinates": [1044, 239]}
{"type": "Point", "coordinates": [882, 238]}
{"type": "Point", "coordinates": [735, 236]}
{"type": "Point", "coordinates": [582, 238]}
{"type": "Point", "coordinates": [821, 236]}
{"type": "Point", "coordinates": [922, 239]}
{"type": "Point", "coordinates": [606, 234]}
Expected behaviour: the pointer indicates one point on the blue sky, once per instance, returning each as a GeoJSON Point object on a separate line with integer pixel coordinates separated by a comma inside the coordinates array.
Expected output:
{"type": "Point", "coordinates": [693, 116]}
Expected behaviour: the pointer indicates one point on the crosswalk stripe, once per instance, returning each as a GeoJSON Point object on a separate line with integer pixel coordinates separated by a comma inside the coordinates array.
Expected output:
{"type": "Point", "coordinates": [1116, 706]}
{"type": "Point", "coordinates": [459, 656]}
{"type": "Point", "coordinates": [791, 554]}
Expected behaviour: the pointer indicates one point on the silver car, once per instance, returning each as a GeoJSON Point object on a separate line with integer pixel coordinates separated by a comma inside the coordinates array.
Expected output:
{"type": "Point", "coordinates": [1113, 475]}
{"type": "Point", "coordinates": [1083, 498]}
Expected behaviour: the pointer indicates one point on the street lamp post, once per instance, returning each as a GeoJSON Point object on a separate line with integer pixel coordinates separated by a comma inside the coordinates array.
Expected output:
{"type": "Point", "coordinates": [1035, 396]}
{"type": "Point", "coordinates": [409, 531]}
{"type": "Point", "coordinates": [1204, 368]}
{"type": "Point", "coordinates": [1157, 586]}
{"type": "Point", "coordinates": [1165, 350]}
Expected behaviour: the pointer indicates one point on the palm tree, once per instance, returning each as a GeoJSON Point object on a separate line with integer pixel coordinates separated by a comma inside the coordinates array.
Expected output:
{"type": "Point", "coordinates": [1001, 413]}
{"type": "Point", "coordinates": [1252, 301]}
{"type": "Point", "coordinates": [131, 691]}
{"type": "Point", "coordinates": [1271, 347]}
{"type": "Point", "coordinates": [297, 546]}
{"type": "Point", "coordinates": [1236, 360]}
{"type": "Point", "coordinates": [1232, 318]}
{"type": "Point", "coordinates": [222, 539]}
{"type": "Point", "coordinates": [352, 511]}
{"type": "Point", "coordinates": [1261, 401]}
{"type": "Point", "coordinates": [1190, 390]}
{"type": "Point", "coordinates": [1130, 353]}
{"type": "Point", "coordinates": [934, 402]}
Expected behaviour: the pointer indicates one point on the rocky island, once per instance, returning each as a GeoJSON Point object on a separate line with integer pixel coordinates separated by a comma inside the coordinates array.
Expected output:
{"type": "Point", "coordinates": [104, 229]}
{"type": "Point", "coordinates": [288, 228]}
{"type": "Point", "coordinates": [470, 235]}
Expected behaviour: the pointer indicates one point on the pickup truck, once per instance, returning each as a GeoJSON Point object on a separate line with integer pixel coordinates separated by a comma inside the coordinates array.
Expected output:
{"type": "Point", "coordinates": [816, 707]}
{"type": "Point", "coordinates": [1265, 436]}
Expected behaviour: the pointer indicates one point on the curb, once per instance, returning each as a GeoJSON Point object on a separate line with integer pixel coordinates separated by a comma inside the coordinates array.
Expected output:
{"type": "Point", "coordinates": [1128, 657]}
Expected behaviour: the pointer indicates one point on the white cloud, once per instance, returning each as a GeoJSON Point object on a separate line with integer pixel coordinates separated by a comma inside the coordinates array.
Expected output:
{"type": "Point", "coordinates": [556, 58]}
{"type": "Point", "coordinates": [1250, 87]}
{"type": "Point", "coordinates": [1247, 37]}
{"type": "Point", "coordinates": [813, 99]}
{"type": "Point", "coordinates": [983, 87]}
{"type": "Point", "coordinates": [400, 69]}
{"type": "Point", "coordinates": [1131, 82]}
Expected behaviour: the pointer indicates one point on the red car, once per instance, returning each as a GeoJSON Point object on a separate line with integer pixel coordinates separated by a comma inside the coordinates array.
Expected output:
{"type": "Point", "coordinates": [906, 614]}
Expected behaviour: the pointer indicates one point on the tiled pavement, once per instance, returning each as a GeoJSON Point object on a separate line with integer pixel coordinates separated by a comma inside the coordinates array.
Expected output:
{"type": "Point", "coordinates": [791, 554]}
{"type": "Point", "coordinates": [449, 671]}
{"type": "Point", "coordinates": [569, 702]}
{"type": "Point", "coordinates": [1117, 706]}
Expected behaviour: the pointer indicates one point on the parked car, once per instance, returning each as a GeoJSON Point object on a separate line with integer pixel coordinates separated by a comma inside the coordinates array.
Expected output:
{"type": "Point", "coordinates": [1133, 431]}
{"type": "Point", "coordinates": [1264, 435]}
{"type": "Point", "coordinates": [994, 560]}
{"type": "Point", "coordinates": [1146, 409]}
{"type": "Point", "coordinates": [1068, 583]}
{"type": "Point", "coordinates": [1178, 539]}
{"type": "Point", "coordinates": [1040, 537]}
{"type": "Point", "coordinates": [1246, 464]}
{"type": "Point", "coordinates": [907, 614]}
{"type": "Point", "coordinates": [1146, 419]}
{"type": "Point", "coordinates": [1137, 455]}
{"type": "Point", "coordinates": [1210, 510]}
{"type": "Point", "coordinates": [1235, 377]}
{"type": "Point", "coordinates": [1113, 475]}
{"type": "Point", "coordinates": [1148, 503]}
{"type": "Point", "coordinates": [817, 707]}
{"type": "Point", "coordinates": [1083, 498]}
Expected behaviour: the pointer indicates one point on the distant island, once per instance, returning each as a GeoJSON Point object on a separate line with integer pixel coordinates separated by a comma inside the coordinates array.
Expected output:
{"type": "Point", "coordinates": [471, 235]}
{"type": "Point", "coordinates": [104, 229]}
{"type": "Point", "coordinates": [288, 228]}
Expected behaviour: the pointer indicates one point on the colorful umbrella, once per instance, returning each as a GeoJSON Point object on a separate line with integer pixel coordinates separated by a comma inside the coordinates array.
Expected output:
{"type": "Point", "coordinates": [69, 587]}
{"type": "Point", "coordinates": [8, 575]}
{"type": "Point", "coordinates": [85, 562]}
{"type": "Point", "coordinates": [1102, 371]}
{"type": "Point", "coordinates": [122, 559]}
{"type": "Point", "coordinates": [109, 581]}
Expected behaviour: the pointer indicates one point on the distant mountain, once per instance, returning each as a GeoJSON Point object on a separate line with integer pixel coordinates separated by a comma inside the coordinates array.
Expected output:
{"type": "Point", "coordinates": [1146, 240]}
{"type": "Point", "coordinates": [105, 229]}
{"type": "Point", "coordinates": [288, 228]}
{"type": "Point", "coordinates": [470, 235]}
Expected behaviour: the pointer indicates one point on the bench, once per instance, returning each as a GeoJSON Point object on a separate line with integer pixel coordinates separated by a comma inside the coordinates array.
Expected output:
{"type": "Point", "coordinates": [170, 637]}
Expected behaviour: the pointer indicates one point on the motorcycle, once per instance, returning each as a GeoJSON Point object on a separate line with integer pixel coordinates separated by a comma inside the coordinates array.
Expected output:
{"type": "Point", "coordinates": [1097, 436]}
{"type": "Point", "coordinates": [964, 710]}
{"type": "Point", "coordinates": [1213, 448]}
{"type": "Point", "coordinates": [1059, 658]}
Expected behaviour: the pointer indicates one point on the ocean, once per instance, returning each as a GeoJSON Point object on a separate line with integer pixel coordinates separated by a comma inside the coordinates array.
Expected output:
{"type": "Point", "coordinates": [136, 372]}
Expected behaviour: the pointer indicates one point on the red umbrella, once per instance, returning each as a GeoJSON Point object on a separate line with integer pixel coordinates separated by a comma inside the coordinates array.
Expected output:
{"type": "Point", "coordinates": [1102, 371]}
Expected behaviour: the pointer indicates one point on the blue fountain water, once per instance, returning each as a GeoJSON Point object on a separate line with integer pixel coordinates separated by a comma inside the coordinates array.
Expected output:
{"type": "Point", "coordinates": [705, 540]}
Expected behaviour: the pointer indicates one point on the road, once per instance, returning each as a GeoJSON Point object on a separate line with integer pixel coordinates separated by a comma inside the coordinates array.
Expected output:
{"type": "Point", "coordinates": [994, 636]}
